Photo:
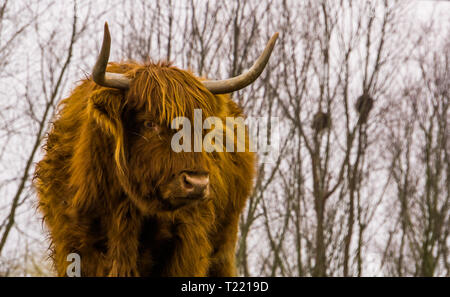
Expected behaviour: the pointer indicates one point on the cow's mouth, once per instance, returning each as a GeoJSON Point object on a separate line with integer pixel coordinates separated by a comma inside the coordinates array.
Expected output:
{"type": "Point", "coordinates": [174, 203]}
{"type": "Point", "coordinates": [183, 201]}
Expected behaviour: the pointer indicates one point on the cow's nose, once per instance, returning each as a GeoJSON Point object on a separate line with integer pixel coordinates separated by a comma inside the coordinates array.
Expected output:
{"type": "Point", "coordinates": [194, 185]}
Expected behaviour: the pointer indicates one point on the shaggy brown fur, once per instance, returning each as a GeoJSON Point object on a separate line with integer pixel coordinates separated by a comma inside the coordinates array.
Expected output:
{"type": "Point", "coordinates": [99, 183]}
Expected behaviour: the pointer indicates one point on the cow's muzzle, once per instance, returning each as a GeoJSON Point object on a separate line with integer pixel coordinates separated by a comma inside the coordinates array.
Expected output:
{"type": "Point", "coordinates": [185, 188]}
{"type": "Point", "coordinates": [193, 185]}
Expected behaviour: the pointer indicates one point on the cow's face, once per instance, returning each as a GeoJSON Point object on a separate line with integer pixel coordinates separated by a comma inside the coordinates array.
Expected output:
{"type": "Point", "coordinates": [158, 95]}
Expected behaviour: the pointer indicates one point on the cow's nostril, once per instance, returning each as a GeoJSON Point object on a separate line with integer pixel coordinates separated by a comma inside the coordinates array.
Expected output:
{"type": "Point", "coordinates": [186, 183]}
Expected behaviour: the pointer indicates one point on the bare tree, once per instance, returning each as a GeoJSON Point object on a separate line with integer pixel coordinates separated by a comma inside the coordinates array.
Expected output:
{"type": "Point", "coordinates": [419, 154]}
{"type": "Point", "coordinates": [330, 101]}
{"type": "Point", "coordinates": [29, 114]}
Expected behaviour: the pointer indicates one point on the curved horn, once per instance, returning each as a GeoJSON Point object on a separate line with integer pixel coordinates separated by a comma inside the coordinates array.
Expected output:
{"type": "Point", "coordinates": [243, 80]}
{"type": "Point", "coordinates": [108, 79]}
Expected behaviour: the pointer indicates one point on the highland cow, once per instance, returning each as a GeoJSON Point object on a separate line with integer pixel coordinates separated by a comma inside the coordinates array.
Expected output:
{"type": "Point", "coordinates": [113, 191]}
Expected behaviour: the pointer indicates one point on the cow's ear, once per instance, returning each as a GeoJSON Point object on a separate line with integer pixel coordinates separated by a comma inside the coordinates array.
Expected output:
{"type": "Point", "coordinates": [105, 106]}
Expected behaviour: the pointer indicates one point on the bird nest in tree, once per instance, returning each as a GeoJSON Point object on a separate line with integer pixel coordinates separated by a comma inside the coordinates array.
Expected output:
{"type": "Point", "coordinates": [364, 105]}
{"type": "Point", "coordinates": [321, 121]}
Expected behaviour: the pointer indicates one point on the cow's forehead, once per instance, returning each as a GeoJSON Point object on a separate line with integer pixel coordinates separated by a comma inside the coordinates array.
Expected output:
{"type": "Point", "coordinates": [167, 92]}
